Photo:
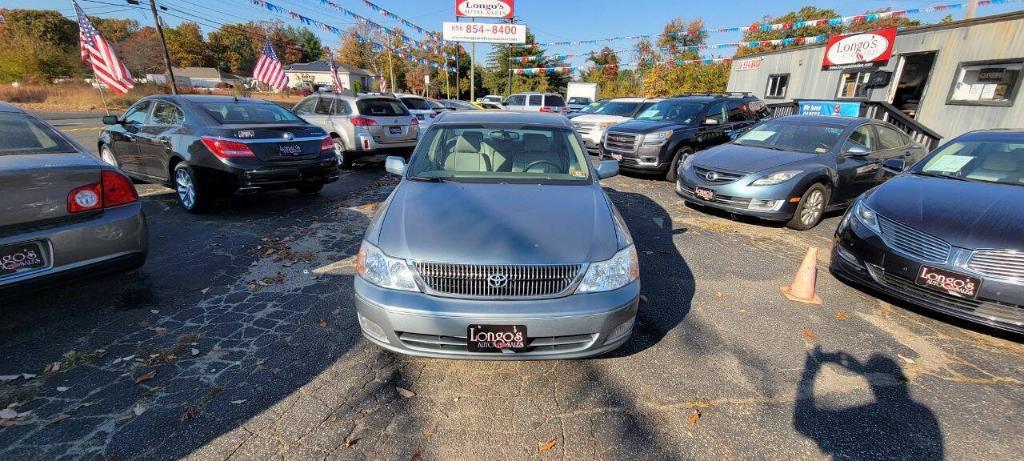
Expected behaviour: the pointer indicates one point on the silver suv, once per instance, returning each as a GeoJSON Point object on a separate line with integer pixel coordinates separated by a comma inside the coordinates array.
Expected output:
{"type": "Point", "coordinates": [362, 126]}
{"type": "Point", "coordinates": [537, 102]}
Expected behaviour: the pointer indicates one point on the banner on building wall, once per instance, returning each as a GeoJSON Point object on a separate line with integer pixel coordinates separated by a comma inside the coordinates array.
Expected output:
{"type": "Point", "coordinates": [859, 50]}
{"type": "Point", "coordinates": [833, 108]}
{"type": "Point", "coordinates": [747, 64]}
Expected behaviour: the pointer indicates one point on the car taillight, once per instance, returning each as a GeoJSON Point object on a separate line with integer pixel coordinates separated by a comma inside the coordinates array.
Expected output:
{"type": "Point", "coordinates": [327, 145]}
{"type": "Point", "coordinates": [545, 109]}
{"type": "Point", "coordinates": [415, 121]}
{"type": "Point", "coordinates": [362, 121]}
{"type": "Point", "coordinates": [114, 189]}
{"type": "Point", "coordinates": [433, 115]}
{"type": "Point", "coordinates": [227, 149]}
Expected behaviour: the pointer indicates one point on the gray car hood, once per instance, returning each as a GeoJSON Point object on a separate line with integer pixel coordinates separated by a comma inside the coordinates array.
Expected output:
{"type": "Point", "coordinates": [498, 223]}
{"type": "Point", "coordinates": [747, 159]}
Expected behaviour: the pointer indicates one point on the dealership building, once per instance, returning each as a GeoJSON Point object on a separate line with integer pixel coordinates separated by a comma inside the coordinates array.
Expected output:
{"type": "Point", "coordinates": [935, 82]}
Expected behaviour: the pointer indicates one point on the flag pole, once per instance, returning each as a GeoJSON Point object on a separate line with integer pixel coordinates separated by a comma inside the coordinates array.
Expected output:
{"type": "Point", "coordinates": [106, 109]}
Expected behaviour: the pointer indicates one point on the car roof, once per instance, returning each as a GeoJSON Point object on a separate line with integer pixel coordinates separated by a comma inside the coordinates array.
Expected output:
{"type": "Point", "coordinates": [8, 107]}
{"type": "Point", "coordinates": [198, 98]}
{"type": "Point", "coordinates": [511, 117]}
{"type": "Point", "coordinates": [994, 133]}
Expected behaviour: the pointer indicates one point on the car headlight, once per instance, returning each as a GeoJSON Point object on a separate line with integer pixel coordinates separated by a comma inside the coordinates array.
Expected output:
{"type": "Point", "coordinates": [606, 124]}
{"type": "Point", "coordinates": [658, 137]}
{"type": "Point", "coordinates": [687, 161]}
{"type": "Point", "coordinates": [866, 216]}
{"type": "Point", "coordinates": [617, 272]}
{"type": "Point", "coordinates": [382, 270]}
{"type": "Point", "coordinates": [776, 178]}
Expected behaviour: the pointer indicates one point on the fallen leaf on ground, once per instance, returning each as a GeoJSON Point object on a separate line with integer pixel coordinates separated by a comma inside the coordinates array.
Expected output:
{"type": "Point", "coordinates": [807, 334]}
{"type": "Point", "coordinates": [694, 416]}
{"type": "Point", "coordinates": [52, 367]}
{"type": "Point", "coordinates": [28, 375]}
{"type": "Point", "coordinates": [643, 299]}
{"type": "Point", "coordinates": [238, 402]}
{"type": "Point", "coordinates": [154, 311]}
{"type": "Point", "coordinates": [187, 415]}
{"type": "Point", "coordinates": [719, 294]}
{"type": "Point", "coordinates": [261, 362]}
{"type": "Point", "coordinates": [8, 413]}
{"type": "Point", "coordinates": [416, 456]}
{"type": "Point", "coordinates": [145, 376]}
{"type": "Point", "coordinates": [323, 323]}
{"type": "Point", "coordinates": [204, 290]}
{"type": "Point", "coordinates": [58, 418]}
{"type": "Point", "coordinates": [5, 378]}
{"type": "Point", "coordinates": [138, 409]}
{"type": "Point", "coordinates": [349, 441]}
{"type": "Point", "coordinates": [840, 315]}
{"type": "Point", "coordinates": [405, 393]}
{"type": "Point", "coordinates": [194, 351]}
{"type": "Point", "coordinates": [545, 446]}
{"type": "Point", "coordinates": [62, 388]}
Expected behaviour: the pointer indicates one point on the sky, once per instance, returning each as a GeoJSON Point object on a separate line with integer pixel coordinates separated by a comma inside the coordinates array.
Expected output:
{"type": "Point", "coordinates": [549, 20]}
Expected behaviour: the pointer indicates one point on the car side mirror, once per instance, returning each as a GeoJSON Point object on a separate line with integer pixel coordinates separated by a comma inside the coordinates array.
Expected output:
{"type": "Point", "coordinates": [856, 150]}
{"type": "Point", "coordinates": [395, 165]}
{"type": "Point", "coordinates": [895, 165]}
{"type": "Point", "coordinates": [110, 120]}
{"type": "Point", "coordinates": [710, 121]}
{"type": "Point", "coordinates": [607, 169]}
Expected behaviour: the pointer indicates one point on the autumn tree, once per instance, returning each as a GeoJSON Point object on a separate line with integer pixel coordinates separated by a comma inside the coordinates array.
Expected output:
{"type": "Point", "coordinates": [808, 13]}
{"type": "Point", "coordinates": [38, 46]}
{"type": "Point", "coordinates": [235, 47]}
{"type": "Point", "coordinates": [674, 72]}
{"type": "Point", "coordinates": [187, 46]}
{"type": "Point", "coordinates": [142, 53]}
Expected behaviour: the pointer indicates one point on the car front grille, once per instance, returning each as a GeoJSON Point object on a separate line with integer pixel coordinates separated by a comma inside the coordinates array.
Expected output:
{"type": "Point", "coordinates": [498, 281]}
{"type": "Point", "coordinates": [584, 128]}
{"type": "Point", "coordinates": [1006, 264]}
{"type": "Point", "coordinates": [990, 309]}
{"type": "Point", "coordinates": [457, 344]}
{"type": "Point", "coordinates": [620, 141]}
{"type": "Point", "coordinates": [914, 242]}
{"type": "Point", "coordinates": [720, 177]}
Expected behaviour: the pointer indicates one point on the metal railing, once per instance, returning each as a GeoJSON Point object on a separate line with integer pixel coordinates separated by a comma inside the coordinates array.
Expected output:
{"type": "Point", "coordinates": [877, 110]}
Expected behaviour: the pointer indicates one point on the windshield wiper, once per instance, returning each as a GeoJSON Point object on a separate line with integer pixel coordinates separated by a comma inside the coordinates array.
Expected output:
{"type": "Point", "coordinates": [437, 179]}
{"type": "Point", "coordinates": [941, 175]}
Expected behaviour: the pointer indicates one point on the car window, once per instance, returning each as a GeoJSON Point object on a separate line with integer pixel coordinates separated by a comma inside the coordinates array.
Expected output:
{"type": "Point", "coordinates": [622, 109]}
{"type": "Point", "coordinates": [998, 159]}
{"type": "Point", "coordinates": [889, 138]}
{"type": "Point", "coordinates": [167, 114]}
{"type": "Point", "coordinates": [323, 106]}
{"type": "Point", "coordinates": [579, 100]}
{"type": "Point", "coordinates": [675, 110]}
{"type": "Point", "coordinates": [247, 112]}
{"type": "Point", "coordinates": [737, 111]}
{"type": "Point", "coordinates": [794, 136]}
{"type": "Point", "coordinates": [717, 111]}
{"type": "Point", "coordinates": [138, 113]}
{"type": "Point", "coordinates": [416, 103]}
{"type": "Point", "coordinates": [865, 136]}
{"type": "Point", "coordinates": [23, 135]}
{"type": "Point", "coordinates": [536, 100]}
{"type": "Point", "coordinates": [305, 106]}
{"type": "Point", "coordinates": [381, 107]}
{"type": "Point", "coordinates": [341, 107]}
{"type": "Point", "coordinates": [553, 100]}
{"type": "Point", "coordinates": [643, 107]}
{"type": "Point", "coordinates": [516, 100]}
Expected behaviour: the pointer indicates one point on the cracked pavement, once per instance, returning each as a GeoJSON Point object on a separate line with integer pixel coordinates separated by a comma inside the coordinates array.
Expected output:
{"type": "Point", "coordinates": [238, 340]}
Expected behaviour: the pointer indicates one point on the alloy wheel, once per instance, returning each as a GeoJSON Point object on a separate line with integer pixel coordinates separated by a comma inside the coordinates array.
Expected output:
{"type": "Point", "coordinates": [813, 208]}
{"type": "Point", "coordinates": [186, 188]}
{"type": "Point", "coordinates": [339, 152]}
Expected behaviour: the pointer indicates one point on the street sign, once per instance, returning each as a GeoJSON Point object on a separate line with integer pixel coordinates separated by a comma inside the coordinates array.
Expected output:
{"type": "Point", "coordinates": [480, 32]}
{"type": "Point", "coordinates": [494, 9]}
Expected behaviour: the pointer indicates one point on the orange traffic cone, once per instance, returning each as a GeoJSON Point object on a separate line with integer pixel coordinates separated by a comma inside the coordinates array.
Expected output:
{"type": "Point", "coordinates": [802, 288]}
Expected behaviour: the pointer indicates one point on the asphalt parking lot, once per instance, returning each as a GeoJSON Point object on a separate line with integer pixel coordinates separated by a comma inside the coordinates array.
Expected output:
{"type": "Point", "coordinates": [238, 340]}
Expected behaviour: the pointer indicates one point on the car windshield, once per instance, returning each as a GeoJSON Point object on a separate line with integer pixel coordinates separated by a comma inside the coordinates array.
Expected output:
{"type": "Point", "coordinates": [500, 154]}
{"type": "Point", "coordinates": [24, 135]}
{"type": "Point", "coordinates": [682, 112]}
{"type": "Point", "coordinates": [247, 112]}
{"type": "Point", "coordinates": [578, 100]}
{"type": "Point", "coordinates": [621, 109]}
{"type": "Point", "coordinates": [593, 107]}
{"type": "Point", "coordinates": [808, 137]}
{"type": "Point", "coordinates": [460, 104]}
{"type": "Point", "coordinates": [990, 160]}
{"type": "Point", "coordinates": [416, 103]}
{"type": "Point", "coordinates": [381, 107]}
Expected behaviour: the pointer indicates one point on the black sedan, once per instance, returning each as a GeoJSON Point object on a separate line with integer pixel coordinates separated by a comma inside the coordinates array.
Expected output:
{"type": "Point", "coordinates": [948, 234]}
{"type": "Point", "coordinates": [795, 168]}
{"type": "Point", "coordinates": [209, 146]}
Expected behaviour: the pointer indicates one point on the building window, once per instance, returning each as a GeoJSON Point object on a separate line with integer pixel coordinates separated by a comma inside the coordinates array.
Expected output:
{"type": "Point", "coordinates": [991, 83]}
{"type": "Point", "coordinates": [854, 85]}
{"type": "Point", "coordinates": [777, 85]}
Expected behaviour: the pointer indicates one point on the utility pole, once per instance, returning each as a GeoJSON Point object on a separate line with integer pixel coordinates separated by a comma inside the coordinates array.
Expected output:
{"type": "Point", "coordinates": [510, 48]}
{"type": "Point", "coordinates": [163, 43]}
{"type": "Point", "coordinates": [972, 6]}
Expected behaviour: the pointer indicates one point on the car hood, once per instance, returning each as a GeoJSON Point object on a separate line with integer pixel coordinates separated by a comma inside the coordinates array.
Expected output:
{"type": "Point", "coordinates": [965, 214]}
{"type": "Point", "coordinates": [647, 126]}
{"type": "Point", "coordinates": [599, 118]}
{"type": "Point", "coordinates": [747, 159]}
{"type": "Point", "coordinates": [498, 224]}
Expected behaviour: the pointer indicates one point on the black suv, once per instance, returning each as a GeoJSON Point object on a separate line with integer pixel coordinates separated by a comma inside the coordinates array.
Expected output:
{"type": "Point", "coordinates": [664, 134]}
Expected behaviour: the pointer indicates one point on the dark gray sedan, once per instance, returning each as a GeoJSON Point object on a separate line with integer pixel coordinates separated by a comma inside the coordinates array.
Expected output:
{"type": "Point", "coordinates": [63, 211]}
{"type": "Point", "coordinates": [796, 168]}
{"type": "Point", "coordinates": [498, 244]}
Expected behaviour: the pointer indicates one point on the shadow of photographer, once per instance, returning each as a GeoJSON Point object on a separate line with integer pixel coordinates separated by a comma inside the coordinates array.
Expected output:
{"type": "Point", "coordinates": [894, 426]}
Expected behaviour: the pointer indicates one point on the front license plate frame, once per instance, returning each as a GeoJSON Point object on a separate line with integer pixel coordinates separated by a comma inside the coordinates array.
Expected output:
{"type": "Point", "coordinates": [948, 282]}
{"type": "Point", "coordinates": [19, 258]}
{"type": "Point", "coordinates": [703, 193]}
{"type": "Point", "coordinates": [507, 339]}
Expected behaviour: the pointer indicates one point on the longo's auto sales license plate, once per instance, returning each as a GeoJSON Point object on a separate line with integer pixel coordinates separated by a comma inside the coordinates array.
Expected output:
{"type": "Point", "coordinates": [948, 282]}
{"type": "Point", "coordinates": [20, 257]}
{"type": "Point", "coordinates": [704, 194]}
{"type": "Point", "coordinates": [496, 338]}
{"type": "Point", "coordinates": [291, 149]}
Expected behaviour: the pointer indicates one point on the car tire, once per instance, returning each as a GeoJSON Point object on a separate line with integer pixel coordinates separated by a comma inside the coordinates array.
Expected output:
{"type": "Point", "coordinates": [811, 208]}
{"type": "Point", "coordinates": [310, 189]}
{"type": "Point", "coordinates": [344, 160]}
{"type": "Point", "coordinates": [677, 159]}
{"type": "Point", "coordinates": [192, 195]}
{"type": "Point", "coordinates": [107, 156]}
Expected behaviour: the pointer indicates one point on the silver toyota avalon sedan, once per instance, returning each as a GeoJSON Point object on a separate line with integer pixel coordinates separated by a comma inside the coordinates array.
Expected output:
{"type": "Point", "coordinates": [498, 244]}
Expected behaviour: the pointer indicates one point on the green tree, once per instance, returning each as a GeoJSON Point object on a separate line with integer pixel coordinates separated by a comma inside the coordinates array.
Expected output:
{"type": "Point", "coordinates": [673, 75]}
{"type": "Point", "coordinates": [187, 46]}
{"type": "Point", "coordinates": [115, 30]}
{"type": "Point", "coordinates": [38, 46]}
{"type": "Point", "coordinates": [234, 49]}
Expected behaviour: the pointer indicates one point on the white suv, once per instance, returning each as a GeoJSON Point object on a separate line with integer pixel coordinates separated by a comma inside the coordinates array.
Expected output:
{"type": "Point", "coordinates": [591, 127]}
{"type": "Point", "coordinates": [536, 102]}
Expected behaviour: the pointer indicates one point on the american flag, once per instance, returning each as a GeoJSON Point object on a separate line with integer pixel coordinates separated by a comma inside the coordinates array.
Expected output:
{"type": "Point", "coordinates": [383, 85]}
{"type": "Point", "coordinates": [335, 80]}
{"type": "Point", "coordinates": [269, 69]}
{"type": "Point", "coordinates": [97, 52]}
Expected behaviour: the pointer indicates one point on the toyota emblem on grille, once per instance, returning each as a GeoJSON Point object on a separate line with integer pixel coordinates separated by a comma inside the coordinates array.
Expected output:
{"type": "Point", "coordinates": [288, 136]}
{"type": "Point", "coordinates": [497, 280]}
{"type": "Point", "coordinates": [711, 176]}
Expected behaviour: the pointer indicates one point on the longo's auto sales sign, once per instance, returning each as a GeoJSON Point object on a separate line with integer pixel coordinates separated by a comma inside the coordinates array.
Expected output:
{"type": "Point", "coordinates": [496, 9]}
{"type": "Point", "coordinates": [858, 50]}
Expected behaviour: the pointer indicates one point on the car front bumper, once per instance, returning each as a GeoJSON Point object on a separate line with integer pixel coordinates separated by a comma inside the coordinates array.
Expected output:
{"type": "Point", "coordinates": [112, 240]}
{"type": "Point", "coordinates": [418, 324]}
{"type": "Point", "coordinates": [861, 257]}
{"type": "Point", "coordinates": [736, 202]}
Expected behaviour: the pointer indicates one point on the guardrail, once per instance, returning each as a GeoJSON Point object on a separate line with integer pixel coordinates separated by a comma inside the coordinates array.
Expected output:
{"type": "Point", "coordinates": [879, 111]}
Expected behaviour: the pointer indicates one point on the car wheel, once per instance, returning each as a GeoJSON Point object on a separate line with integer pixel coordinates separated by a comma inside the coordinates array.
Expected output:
{"type": "Point", "coordinates": [191, 194]}
{"type": "Point", "coordinates": [344, 160]}
{"type": "Point", "coordinates": [811, 208]}
{"type": "Point", "coordinates": [310, 189]}
{"type": "Point", "coordinates": [677, 159]}
{"type": "Point", "coordinates": [107, 155]}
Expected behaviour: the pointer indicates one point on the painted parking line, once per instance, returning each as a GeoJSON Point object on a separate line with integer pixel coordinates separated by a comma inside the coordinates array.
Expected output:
{"type": "Point", "coordinates": [91, 128]}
